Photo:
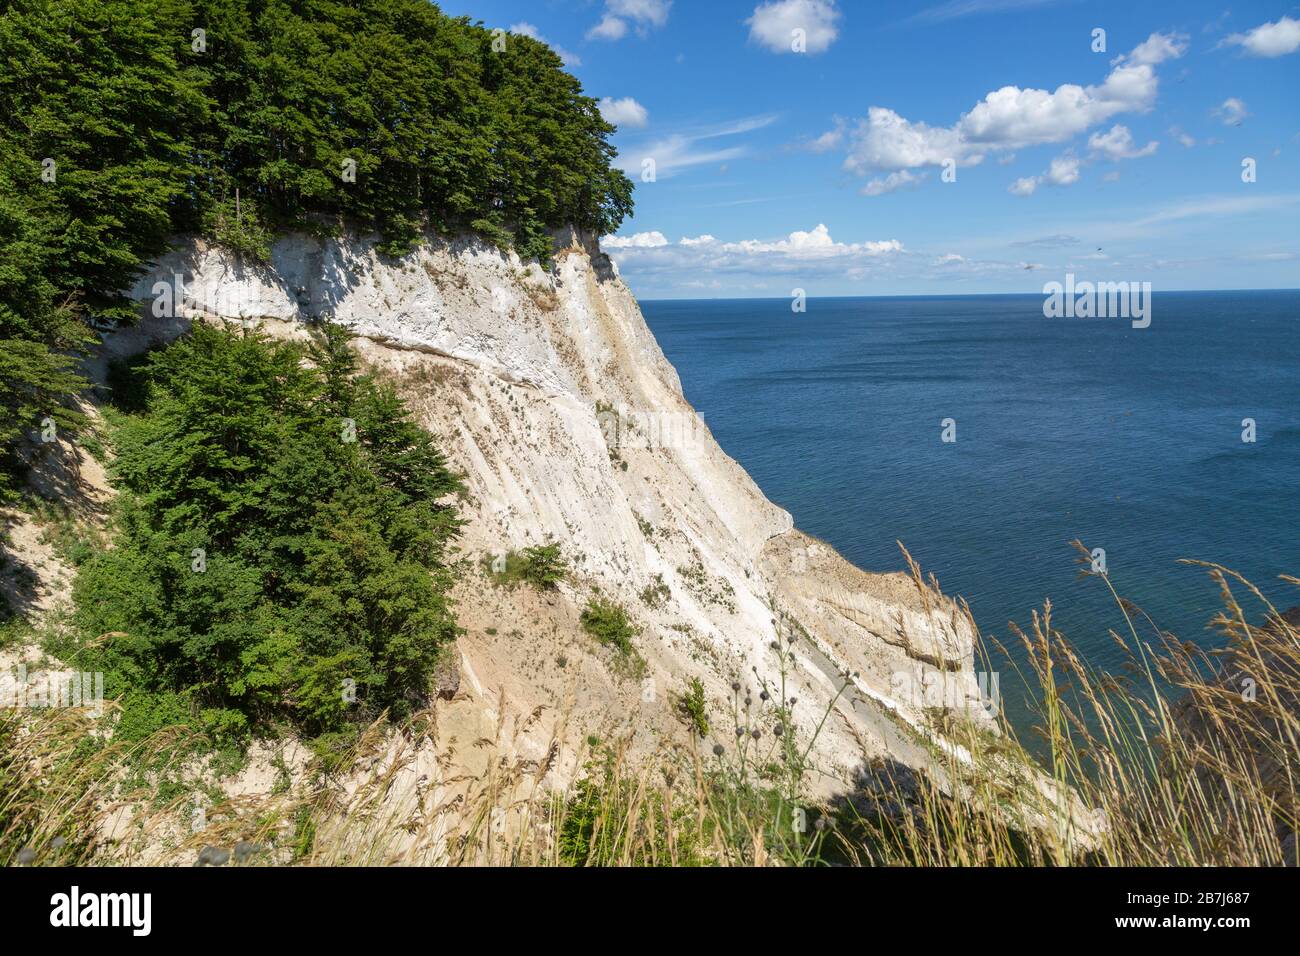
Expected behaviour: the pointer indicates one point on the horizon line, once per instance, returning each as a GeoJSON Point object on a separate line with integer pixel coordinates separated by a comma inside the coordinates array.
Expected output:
{"type": "Point", "coordinates": [926, 295]}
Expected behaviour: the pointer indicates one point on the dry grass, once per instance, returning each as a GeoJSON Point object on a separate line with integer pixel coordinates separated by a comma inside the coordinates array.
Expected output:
{"type": "Point", "coordinates": [1189, 758]}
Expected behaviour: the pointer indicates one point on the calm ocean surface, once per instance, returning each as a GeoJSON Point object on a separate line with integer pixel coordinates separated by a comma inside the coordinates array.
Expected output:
{"type": "Point", "coordinates": [1129, 439]}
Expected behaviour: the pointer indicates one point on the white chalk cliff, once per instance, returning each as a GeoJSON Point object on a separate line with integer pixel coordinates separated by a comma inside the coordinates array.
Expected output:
{"type": "Point", "coordinates": [548, 391]}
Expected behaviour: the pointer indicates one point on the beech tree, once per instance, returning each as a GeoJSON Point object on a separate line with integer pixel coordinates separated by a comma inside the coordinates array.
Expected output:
{"type": "Point", "coordinates": [126, 122]}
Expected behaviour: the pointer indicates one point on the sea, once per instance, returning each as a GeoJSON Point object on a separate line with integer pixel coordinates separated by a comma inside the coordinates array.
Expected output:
{"type": "Point", "coordinates": [987, 438]}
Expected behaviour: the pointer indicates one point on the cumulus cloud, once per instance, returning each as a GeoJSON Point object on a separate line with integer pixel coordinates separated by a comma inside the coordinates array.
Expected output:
{"type": "Point", "coordinates": [1269, 39]}
{"type": "Point", "coordinates": [816, 244]}
{"type": "Point", "coordinates": [802, 253]}
{"type": "Point", "coordinates": [898, 180]}
{"type": "Point", "coordinates": [569, 58]}
{"type": "Point", "coordinates": [609, 28]}
{"type": "Point", "coordinates": [774, 25]}
{"type": "Point", "coordinates": [1232, 111]}
{"type": "Point", "coordinates": [803, 259]}
{"type": "Point", "coordinates": [1117, 144]}
{"type": "Point", "coordinates": [1155, 49]}
{"type": "Point", "coordinates": [621, 16]}
{"type": "Point", "coordinates": [624, 112]}
{"type": "Point", "coordinates": [640, 240]}
{"type": "Point", "coordinates": [1063, 171]}
{"type": "Point", "coordinates": [1011, 117]}
{"type": "Point", "coordinates": [885, 140]}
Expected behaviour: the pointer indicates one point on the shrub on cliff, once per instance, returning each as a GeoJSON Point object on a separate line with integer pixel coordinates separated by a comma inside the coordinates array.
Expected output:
{"type": "Point", "coordinates": [608, 623]}
{"type": "Point", "coordinates": [282, 549]}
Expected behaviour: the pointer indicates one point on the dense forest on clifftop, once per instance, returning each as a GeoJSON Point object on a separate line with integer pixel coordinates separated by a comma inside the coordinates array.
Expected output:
{"type": "Point", "coordinates": [125, 122]}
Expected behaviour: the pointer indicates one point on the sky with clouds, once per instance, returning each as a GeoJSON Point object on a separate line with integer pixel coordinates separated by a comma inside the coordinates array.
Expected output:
{"type": "Point", "coordinates": [940, 146]}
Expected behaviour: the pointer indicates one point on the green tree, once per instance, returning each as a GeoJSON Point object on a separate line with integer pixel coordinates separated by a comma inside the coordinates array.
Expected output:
{"type": "Point", "coordinates": [271, 564]}
{"type": "Point", "coordinates": [126, 122]}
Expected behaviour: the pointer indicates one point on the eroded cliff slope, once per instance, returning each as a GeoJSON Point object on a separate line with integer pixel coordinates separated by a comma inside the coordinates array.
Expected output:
{"type": "Point", "coordinates": [548, 391]}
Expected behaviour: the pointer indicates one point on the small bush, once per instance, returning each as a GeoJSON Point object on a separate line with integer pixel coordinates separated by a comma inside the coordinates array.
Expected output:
{"type": "Point", "coordinates": [694, 708]}
{"type": "Point", "coordinates": [655, 594]}
{"type": "Point", "coordinates": [542, 567]}
{"type": "Point", "coordinates": [609, 624]}
{"type": "Point", "coordinates": [238, 227]}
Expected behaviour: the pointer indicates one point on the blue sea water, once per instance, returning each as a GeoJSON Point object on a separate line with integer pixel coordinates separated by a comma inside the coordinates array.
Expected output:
{"type": "Point", "coordinates": [1127, 439]}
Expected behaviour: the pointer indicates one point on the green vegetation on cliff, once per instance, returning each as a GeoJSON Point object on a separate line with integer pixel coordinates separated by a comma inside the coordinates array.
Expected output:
{"type": "Point", "coordinates": [282, 544]}
{"type": "Point", "coordinates": [124, 122]}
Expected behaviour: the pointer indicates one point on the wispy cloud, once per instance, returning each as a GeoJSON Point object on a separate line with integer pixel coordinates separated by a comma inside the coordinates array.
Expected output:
{"type": "Point", "coordinates": [1232, 112]}
{"type": "Point", "coordinates": [956, 9]}
{"type": "Point", "coordinates": [689, 148]}
{"type": "Point", "coordinates": [569, 58]}
{"type": "Point", "coordinates": [1217, 206]}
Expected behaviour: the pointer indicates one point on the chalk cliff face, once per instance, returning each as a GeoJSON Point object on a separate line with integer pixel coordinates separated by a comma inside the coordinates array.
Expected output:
{"type": "Point", "coordinates": [548, 391]}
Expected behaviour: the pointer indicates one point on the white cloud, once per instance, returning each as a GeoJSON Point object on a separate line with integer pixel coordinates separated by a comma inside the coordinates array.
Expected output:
{"type": "Point", "coordinates": [1063, 171]}
{"type": "Point", "coordinates": [814, 244]}
{"type": "Point", "coordinates": [1232, 111]}
{"type": "Point", "coordinates": [1155, 49]}
{"type": "Point", "coordinates": [804, 254]}
{"type": "Point", "coordinates": [1011, 117]}
{"type": "Point", "coordinates": [831, 139]}
{"type": "Point", "coordinates": [898, 180]}
{"type": "Point", "coordinates": [1117, 144]}
{"type": "Point", "coordinates": [1218, 206]}
{"type": "Point", "coordinates": [954, 9]}
{"type": "Point", "coordinates": [1024, 186]}
{"type": "Point", "coordinates": [625, 112]}
{"type": "Point", "coordinates": [1270, 39]}
{"type": "Point", "coordinates": [773, 25]}
{"type": "Point", "coordinates": [812, 260]}
{"type": "Point", "coordinates": [609, 28]}
{"type": "Point", "coordinates": [1183, 137]}
{"type": "Point", "coordinates": [684, 150]}
{"type": "Point", "coordinates": [640, 240]}
{"type": "Point", "coordinates": [885, 140]}
{"type": "Point", "coordinates": [620, 16]}
{"type": "Point", "coordinates": [527, 29]}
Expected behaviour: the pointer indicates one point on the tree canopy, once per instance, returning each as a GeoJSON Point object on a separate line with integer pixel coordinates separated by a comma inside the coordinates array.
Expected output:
{"type": "Point", "coordinates": [124, 122]}
{"type": "Point", "coordinates": [283, 529]}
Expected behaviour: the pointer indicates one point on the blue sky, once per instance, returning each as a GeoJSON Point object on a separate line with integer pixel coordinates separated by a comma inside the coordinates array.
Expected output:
{"type": "Point", "coordinates": [940, 146]}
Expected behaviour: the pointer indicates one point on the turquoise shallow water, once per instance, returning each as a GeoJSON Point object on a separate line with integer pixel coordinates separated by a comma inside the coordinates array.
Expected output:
{"type": "Point", "coordinates": [1129, 439]}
